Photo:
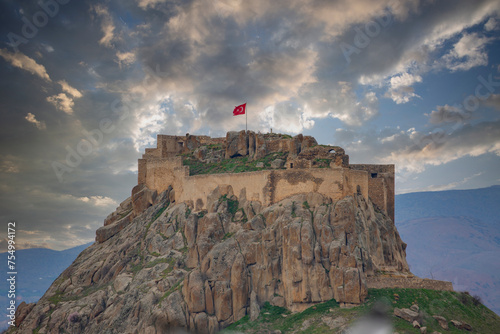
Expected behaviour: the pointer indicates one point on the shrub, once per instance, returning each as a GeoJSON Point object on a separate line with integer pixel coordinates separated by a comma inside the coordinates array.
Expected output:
{"type": "Point", "coordinates": [476, 300]}
{"type": "Point", "coordinates": [74, 317]}
{"type": "Point", "coordinates": [464, 297]}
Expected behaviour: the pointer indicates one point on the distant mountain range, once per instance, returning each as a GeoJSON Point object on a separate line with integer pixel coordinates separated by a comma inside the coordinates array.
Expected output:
{"type": "Point", "coordinates": [37, 268]}
{"type": "Point", "coordinates": [454, 236]}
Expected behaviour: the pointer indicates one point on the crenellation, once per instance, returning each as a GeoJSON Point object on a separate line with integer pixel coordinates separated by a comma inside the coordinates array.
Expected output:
{"type": "Point", "coordinates": [304, 167]}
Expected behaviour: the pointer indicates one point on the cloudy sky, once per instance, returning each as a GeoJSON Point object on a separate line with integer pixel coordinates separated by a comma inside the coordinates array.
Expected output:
{"type": "Point", "coordinates": [87, 85]}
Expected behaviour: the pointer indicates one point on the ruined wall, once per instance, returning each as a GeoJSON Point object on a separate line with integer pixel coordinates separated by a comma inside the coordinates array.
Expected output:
{"type": "Point", "coordinates": [354, 179]}
{"type": "Point", "coordinates": [160, 173]}
{"type": "Point", "coordinates": [381, 185]}
{"type": "Point", "coordinates": [141, 171]}
{"type": "Point", "coordinates": [381, 282]}
{"type": "Point", "coordinates": [162, 167]}
{"type": "Point", "coordinates": [267, 186]}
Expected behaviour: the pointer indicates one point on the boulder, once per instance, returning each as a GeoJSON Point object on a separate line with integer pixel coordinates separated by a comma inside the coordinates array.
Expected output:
{"type": "Point", "coordinates": [22, 311]}
{"type": "Point", "coordinates": [461, 325]}
{"type": "Point", "coordinates": [236, 144]}
{"type": "Point", "coordinates": [260, 147]}
{"type": "Point", "coordinates": [142, 198]}
{"type": "Point", "coordinates": [406, 314]}
{"type": "Point", "coordinates": [442, 321]}
{"type": "Point", "coordinates": [277, 164]}
{"type": "Point", "coordinates": [105, 232]}
{"type": "Point", "coordinates": [254, 307]}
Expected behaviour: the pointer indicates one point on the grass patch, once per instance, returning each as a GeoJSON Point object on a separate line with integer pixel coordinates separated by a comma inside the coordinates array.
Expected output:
{"type": "Point", "coordinates": [175, 287]}
{"type": "Point", "coordinates": [451, 305]}
{"type": "Point", "coordinates": [234, 165]}
{"type": "Point", "coordinates": [227, 236]}
{"type": "Point", "coordinates": [232, 204]}
{"type": "Point", "coordinates": [293, 210]}
{"type": "Point", "coordinates": [272, 317]}
{"type": "Point", "coordinates": [155, 262]}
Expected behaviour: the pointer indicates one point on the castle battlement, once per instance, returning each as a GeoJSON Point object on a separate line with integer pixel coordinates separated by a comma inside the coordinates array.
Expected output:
{"type": "Point", "coordinates": [300, 165]}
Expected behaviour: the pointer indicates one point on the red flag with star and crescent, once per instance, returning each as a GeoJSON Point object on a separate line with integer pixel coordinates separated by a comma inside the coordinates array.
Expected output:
{"type": "Point", "coordinates": [240, 110]}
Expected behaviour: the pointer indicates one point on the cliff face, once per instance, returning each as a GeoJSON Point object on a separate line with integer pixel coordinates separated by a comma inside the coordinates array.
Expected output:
{"type": "Point", "coordinates": [157, 265]}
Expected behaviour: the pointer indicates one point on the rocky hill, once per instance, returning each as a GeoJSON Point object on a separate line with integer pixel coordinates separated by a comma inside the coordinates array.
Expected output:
{"type": "Point", "coordinates": [157, 265]}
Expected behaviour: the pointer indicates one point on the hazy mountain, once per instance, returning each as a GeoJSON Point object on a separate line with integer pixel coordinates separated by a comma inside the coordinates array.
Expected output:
{"type": "Point", "coordinates": [37, 268]}
{"type": "Point", "coordinates": [454, 236]}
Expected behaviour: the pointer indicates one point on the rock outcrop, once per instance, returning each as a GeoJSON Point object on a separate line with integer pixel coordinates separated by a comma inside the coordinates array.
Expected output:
{"type": "Point", "coordinates": [169, 267]}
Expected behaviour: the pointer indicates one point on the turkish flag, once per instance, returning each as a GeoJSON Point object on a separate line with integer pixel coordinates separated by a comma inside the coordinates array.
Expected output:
{"type": "Point", "coordinates": [239, 110]}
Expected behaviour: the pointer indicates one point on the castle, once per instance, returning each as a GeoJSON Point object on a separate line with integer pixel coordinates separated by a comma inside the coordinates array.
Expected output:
{"type": "Point", "coordinates": [301, 166]}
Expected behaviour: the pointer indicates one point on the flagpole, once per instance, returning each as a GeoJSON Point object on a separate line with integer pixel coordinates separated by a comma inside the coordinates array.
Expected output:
{"type": "Point", "coordinates": [246, 120]}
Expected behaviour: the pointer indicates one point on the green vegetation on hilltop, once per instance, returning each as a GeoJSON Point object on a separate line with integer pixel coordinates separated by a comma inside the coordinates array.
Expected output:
{"type": "Point", "coordinates": [233, 165]}
{"type": "Point", "coordinates": [329, 318]}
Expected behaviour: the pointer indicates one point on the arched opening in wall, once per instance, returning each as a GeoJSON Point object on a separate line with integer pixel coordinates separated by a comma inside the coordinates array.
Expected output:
{"type": "Point", "coordinates": [291, 164]}
{"type": "Point", "coordinates": [374, 175]}
{"type": "Point", "coordinates": [358, 189]}
{"type": "Point", "coordinates": [332, 151]}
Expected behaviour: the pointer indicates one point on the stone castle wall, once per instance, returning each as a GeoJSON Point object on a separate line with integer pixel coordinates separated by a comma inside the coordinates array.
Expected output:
{"type": "Point", "coordinates": [161, 167]}
{"type": "Point", "coordinates": [381, 282]}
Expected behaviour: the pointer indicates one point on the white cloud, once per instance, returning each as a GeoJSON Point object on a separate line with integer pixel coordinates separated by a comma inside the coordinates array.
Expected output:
{"type": "Point", "coordinates": [62, 102]}
{"type": "Point", "coordinates": [26, 63]}
{"type": "Point", "coordinates": [400, 90]}
{"type": "Point", "coordinates": [491, 24]}
{"type": "Point", "coordinates": [149, 3]}
{"type": "Point", "coordinates": [107, 25]}
{"type": "Point", "coordinates": [125, 58]}
{"type": "Point", "coordinates": [412, 151]}
{"type": "Point", "coordinates": [338, 101]}
{"type": "Point", "coordinates": [286, 116]}
{"type": "Point", "coordinates": [468, 52]}
{"type": "Point", "coordinates": [100, 201]}
{"type": "Point", "coordinates": [32, 119]}
{"type": "Point", "coordinates": [70, 90]}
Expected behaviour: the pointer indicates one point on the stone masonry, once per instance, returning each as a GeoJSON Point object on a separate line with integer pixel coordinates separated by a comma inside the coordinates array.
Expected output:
{"type": "Point", "coordinates": [162, 167]}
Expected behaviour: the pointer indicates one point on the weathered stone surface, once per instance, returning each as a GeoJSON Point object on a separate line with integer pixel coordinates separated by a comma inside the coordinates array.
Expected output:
{"type": "Point", "coordinates": [414, 308]}
{"type": "Point", "coordinates": [254, 306]}
{"type": "Point", "coordinates": [194, 292]}
{"type": "Point", "coordinates": [423, 330]}
{"type": "Point", "coordinates": [122, 282]}
{"type": "Point", "coordinates": [416, 324]}
{"type": "Point", "coordinates": [442, 321]}
{"type": "Point", "coordinates": [406, 314]}
{"type": "Point", "coordinates": [142, 198]}
{"type": "Point", "coordinates": [236, 144]}
{"type": "Point", "coordinates": [105, 232]}
{"type": "Point", "coordinates": [222, 300]}
{"type": "Point", "coordinates": [180, 268]}
{"type": "Point", "coordinates": [121, 211]}
{"type": "Point", "coordinates": [461, 325]}
{"type": "Point", "coordinates": [278, 163]}
{"type": "Point", "coordinates": [22, 311]}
